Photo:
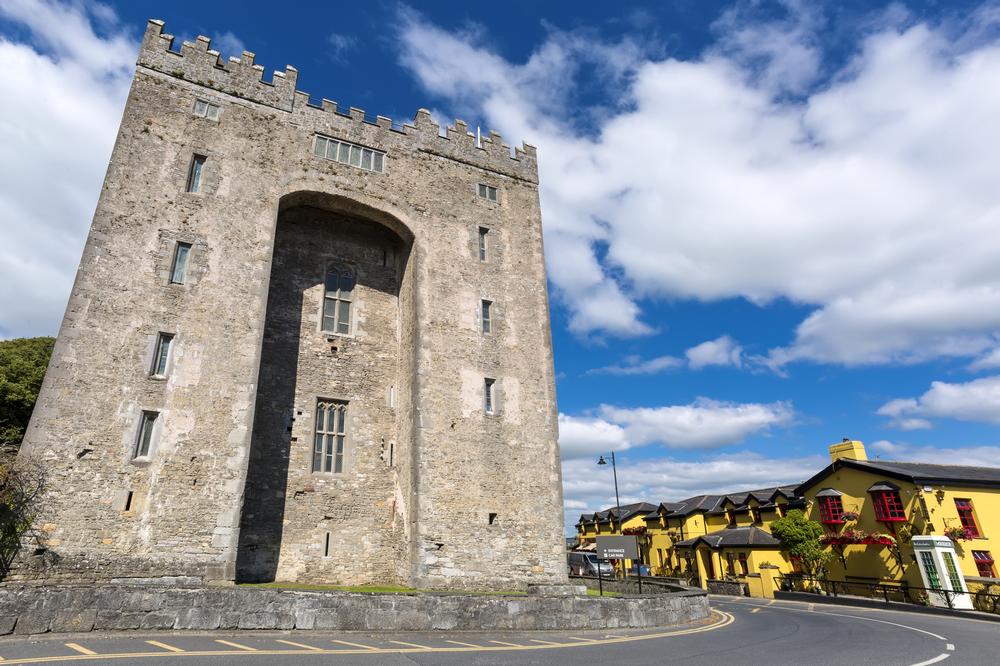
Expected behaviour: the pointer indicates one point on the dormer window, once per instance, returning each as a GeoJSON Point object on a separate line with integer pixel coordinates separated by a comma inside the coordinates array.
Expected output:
{"type": "Point", "coordinates": [831, 507]}
{"type": "Point", "coordinates": [888, 504]}
{"type": "Point", "coordinates": [731, 517]}
{"type": "Point", "coordinates": [755, 516]}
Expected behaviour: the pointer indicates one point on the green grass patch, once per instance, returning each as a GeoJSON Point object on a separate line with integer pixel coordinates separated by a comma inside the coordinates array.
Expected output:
{"type": "Point", "coordinates": [596, 593]}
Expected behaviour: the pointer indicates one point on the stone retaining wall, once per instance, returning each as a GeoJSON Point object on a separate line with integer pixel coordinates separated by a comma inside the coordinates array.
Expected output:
{"type": "Point", "coordinates": [36, 609]}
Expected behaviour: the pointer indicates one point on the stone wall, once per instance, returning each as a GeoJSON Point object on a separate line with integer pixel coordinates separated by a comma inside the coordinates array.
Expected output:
{"type": "Point", "coordinates": [32, 609]}
{"type": "Point", "coordinates": [471, 500]}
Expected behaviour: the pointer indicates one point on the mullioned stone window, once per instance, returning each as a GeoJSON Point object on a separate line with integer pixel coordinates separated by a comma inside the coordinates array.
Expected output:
{"type": "Point", "coordinates": [349, 153]}
{"type": "Point", "coordinates": [204, 109]}
{"type": "Point", "coordinates": [331, 435]}
{"type": "Point", "coordinates": [339, 285]}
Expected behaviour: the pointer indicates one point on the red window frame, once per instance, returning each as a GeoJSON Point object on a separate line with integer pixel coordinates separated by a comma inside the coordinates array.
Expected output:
{"type": "Point", "coordinates": [743, 563]}
{"type": "Point", "coordinates": [888, 506]}
{"type": "Point", "coordinates": [984, 563]}
{"type": "Point", "coordinates": [966, 515]}
{"type": "Point", "coordinates": [831, 510]}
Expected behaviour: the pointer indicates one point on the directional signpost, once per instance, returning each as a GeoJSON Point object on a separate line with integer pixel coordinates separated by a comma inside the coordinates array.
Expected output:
{"type": "Point", "coordinates": [617, 548]}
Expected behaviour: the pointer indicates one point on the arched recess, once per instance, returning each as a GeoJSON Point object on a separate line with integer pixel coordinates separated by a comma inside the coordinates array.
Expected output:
{"type": "Point", "coordinates": [343, 521]}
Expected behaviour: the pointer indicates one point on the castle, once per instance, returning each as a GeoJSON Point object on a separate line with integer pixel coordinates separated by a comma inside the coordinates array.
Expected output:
{"type": "Point", "coordinates": [301, 346]}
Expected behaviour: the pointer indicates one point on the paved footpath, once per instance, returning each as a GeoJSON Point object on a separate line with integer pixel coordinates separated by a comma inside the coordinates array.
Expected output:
{"type": "Point", "coordinates": [740, 631]}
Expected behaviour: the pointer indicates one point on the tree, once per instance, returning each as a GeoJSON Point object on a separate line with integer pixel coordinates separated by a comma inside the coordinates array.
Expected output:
{"type": "Point", "coordinates": [800, 538]}
{"type": "Point", "coordinates": [22, 366]}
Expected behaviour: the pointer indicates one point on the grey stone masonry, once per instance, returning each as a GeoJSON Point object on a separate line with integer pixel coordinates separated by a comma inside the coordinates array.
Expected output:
{"type": "Point", "coordinates": [220, 231]}
{"type": "Point", "coordinates": [37, 609]}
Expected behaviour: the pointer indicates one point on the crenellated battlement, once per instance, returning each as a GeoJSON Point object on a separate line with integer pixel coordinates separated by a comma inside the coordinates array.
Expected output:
{"type": "Point", "coordinates": [198, 63]}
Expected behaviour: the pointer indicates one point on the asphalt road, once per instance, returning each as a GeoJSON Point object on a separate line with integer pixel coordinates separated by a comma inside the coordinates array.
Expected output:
{"type": "Point", "coordinates": [741, 631]}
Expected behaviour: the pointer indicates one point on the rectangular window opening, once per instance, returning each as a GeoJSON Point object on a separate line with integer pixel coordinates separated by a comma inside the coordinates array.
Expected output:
{"type": "Point", "coordinates": [204, 109]}
{"type": "Point", "coordinates": [488, 397]}
{"type": "Point", "coordinates": [483, 232]}
{"type": "Point", "coordinates": [194, 174]}
{"type": "Point", "coordinates": [493, 518]}
{"type": "Point", "coordinates": [984, 563]}
{"type": "Point", "coordinates": [178, 269]}
{"type": "Point", "coordinates": [128, 501]}
{"type": "Point", "coordinates": [354, 155]}
{"type": "Point", "coordinates": [339, 293]}
{"type": "Point", "coordinates": [326, 545]}
{"type": "Point", "coordinates": [487, 192]}
{"type": "Point", "coordinates": [330, 436]}
{"type": "Point", "coordinates": [967, 516]}
{"type": "Point", "coordinates": [144, 439]}
{"type": "Point", "coordinates": [487, 307]}
{"type": "Point", "coordinates": [161, 355]}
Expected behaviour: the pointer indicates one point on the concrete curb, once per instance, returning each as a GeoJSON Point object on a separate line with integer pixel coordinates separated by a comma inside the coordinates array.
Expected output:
{"type": "Point", "coordinates": [892, 605]}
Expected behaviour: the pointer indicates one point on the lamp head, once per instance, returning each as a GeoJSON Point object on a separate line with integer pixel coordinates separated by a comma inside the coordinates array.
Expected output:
{"type": "Point", "coordinates": [602, 461]}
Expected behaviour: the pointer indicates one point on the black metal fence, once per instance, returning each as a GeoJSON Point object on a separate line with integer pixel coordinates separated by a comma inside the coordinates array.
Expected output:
{"type": "Point", "coordinates": [985, 596]}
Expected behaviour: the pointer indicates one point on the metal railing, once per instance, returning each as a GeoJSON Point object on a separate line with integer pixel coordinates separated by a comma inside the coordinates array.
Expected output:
{"type": "Point", "coordinates": [985, 597]}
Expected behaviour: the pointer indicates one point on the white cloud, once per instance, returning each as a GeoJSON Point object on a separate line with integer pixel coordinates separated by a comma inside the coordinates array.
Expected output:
{"type": "Point", "coordinates": [989, 360]}
{"type": "Point", "coordinates": [588, 488]}
{"type": "Point", "coordinates": [868, 193]}
{"type": "Point", "coordinates": [228, 44]}
{"type": "Point", "coordinates": [634, 365]}
{"type": "Point", "coordinates": [721, 351]}
{"type": "Point", "coordinates": [61, 92]}
{"type": "Point", "coordinates": [703, 423]}
{"type": "Point", "coordinates": [975, 456]}
{"type": "Point", "coordinates": [977, 400]}
{"type": "Point", "coordinates": [340, 44]}
{"type": "Point", "coordinates": [586, 437]}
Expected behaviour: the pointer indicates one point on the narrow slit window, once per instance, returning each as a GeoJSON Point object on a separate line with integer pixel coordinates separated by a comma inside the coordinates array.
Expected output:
{"type": "Point", "coordinates": [328, 446]}
{"type": "Point", "coordinates": [144, 439]}
{"type": "Point", "coordinates": [489, 399]}
{"type": "Point", "coordinates": [178, 270]}
{"type": "Point", "coordinates": [483, 233]}
{"type": "Point", "coordinates": [326, 545]}
{"type": "Point", "coordinates": [487, 314]}
{"type": "Point", "coordinates": [194, 175]}
{"type": "Point", "coordinates": [161, 354]}
{"type": "Point", "coordinates": [128, 501]}
{"type": "Point", "coordinates": [487, 192]}
{"type": "Point", "coordinates": [339, 295]}
{"type": "Point", "coordinates": [493, 518]}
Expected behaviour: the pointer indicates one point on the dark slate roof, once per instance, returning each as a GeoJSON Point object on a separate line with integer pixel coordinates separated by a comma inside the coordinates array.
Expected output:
{"type": "Point", "coordinates": [733, 537]}
{"type": "Point", "coordinates": [918, 473]}
{"type": "Point", "coordinates": [627, 511]}
{"type": "Point", "coordinates": [713, 503]}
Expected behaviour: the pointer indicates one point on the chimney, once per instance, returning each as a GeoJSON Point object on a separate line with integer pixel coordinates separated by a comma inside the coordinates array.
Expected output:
{"type": "Point", "coordinates": [849, 449]}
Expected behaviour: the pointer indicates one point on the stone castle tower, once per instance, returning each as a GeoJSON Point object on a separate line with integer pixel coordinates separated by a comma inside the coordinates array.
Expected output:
{"type": "Point", "coordinates": [301, 346]}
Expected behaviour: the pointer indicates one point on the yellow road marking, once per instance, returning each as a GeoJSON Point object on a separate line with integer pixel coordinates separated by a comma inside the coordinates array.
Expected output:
{"type": "Point", "coordinates": [236, 645]}
{"type": "Point", "coordinates": [298, 645]}
{"type": "Point", "coordinates": [535, 640]}
{"type": "Point", "coordinates": [79, 648]}
{"type": "Point", "coordinates": [356, 645]}
{"type": "Point", "coordinates": [412, 645]}
{"type": "Point", "coordinates": [722, 620]}
{"type": "Point", "coordinates": [472, 645]}
{"type": "Point", "coordinates": [165, 646]}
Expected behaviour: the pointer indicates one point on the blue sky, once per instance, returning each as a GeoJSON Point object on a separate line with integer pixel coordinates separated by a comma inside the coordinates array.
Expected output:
{"type": "Point", "coordinates": [768, 225]}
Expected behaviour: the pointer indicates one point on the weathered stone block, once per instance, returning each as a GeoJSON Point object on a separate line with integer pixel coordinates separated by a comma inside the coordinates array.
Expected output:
{"type": "Point", "coordinates": [70, 621]}
{"type": "Point", "coordinates": [198, 618]}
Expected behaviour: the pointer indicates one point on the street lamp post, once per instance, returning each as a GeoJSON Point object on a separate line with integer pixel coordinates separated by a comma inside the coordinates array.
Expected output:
{"type": "Point", "coordinates": [614, 470]}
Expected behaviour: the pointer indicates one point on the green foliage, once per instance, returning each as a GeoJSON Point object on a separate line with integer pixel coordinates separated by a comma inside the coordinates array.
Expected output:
{"type": "Point", "coordinates": [22, 366]}
{"type": "Point", "coordinates": [21, 482]}
{"type": "Point", "coordinates": [800, 537]}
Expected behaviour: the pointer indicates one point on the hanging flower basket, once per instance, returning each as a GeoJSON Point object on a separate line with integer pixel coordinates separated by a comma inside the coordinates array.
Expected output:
{"type": "Point", "coordinates": [849, 515]}
{"type": "Point", "coordinates": [958, 533]}
{"type": "Point", "coordinates": [634, 531]}
{"type": "Point", "coordinates": [850, 537]}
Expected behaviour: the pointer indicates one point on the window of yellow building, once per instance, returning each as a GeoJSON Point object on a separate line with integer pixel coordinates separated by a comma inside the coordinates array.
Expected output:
{"type": "Point", "coordinates": [968, 518]}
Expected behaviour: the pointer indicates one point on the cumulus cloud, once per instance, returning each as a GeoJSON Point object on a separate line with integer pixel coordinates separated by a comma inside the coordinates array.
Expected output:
{"type": "Point", "coordinates": [585, 437]}
{"type": "Point", "coordinates": [868, 192]}
{"type": "Point", "coordinates": [721, 351]}
{"type": "Point", "coordinates": [340, 45]}
{"type": "Point", "coordinates": [703, 423]}
{"type": "Point", "coordinates": [587, 488]}
{"type": "Point", "coordinates": [62, 86]}
{"type": "Point", "coordinates": [635, 365]}
{"type": "Point", "coordinates": [977, 400]}
{"type": "Point", "coordinates": [974, 456]}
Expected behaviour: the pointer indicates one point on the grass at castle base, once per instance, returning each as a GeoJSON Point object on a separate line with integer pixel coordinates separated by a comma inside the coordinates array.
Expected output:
{"type": "Point", "coordinates": [393, 589]}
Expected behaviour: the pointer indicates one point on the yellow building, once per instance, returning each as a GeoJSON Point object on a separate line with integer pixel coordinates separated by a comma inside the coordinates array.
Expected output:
{"type": "Point", "coordinates": [871, 509]}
